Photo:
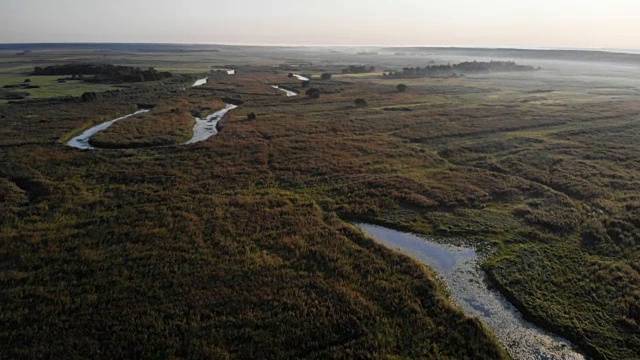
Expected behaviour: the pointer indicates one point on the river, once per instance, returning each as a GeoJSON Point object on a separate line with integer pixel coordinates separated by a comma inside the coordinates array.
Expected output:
{"type": "Point", "coordinates": [300, 77]}
{"type": "Point", "coordinates": [202, 130]}
{"type": "Point", "coordinates": [459, 268]}
{"type": "Point", "coordinates": [288, 92]}
{"type": "Point", "coordinates": [208, 127]}
{"type": "Point", "coordinates": [200, 82]}
{"type": "Point", "coordinates": [82, 141]}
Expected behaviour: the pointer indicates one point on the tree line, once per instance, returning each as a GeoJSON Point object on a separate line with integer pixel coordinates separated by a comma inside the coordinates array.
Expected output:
{"type": "Point", "coordinates": [358, 69]}
{"type": "Point", "coordinates": [459, 69]}
{"type": "Point", "coordinates": [104, 73]}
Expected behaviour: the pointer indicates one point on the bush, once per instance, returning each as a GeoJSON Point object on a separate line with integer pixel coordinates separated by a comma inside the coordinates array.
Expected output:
{"type": "Point", "coordinates": [251, 116]}
{"type": "Point", "coordinates": [325, 76]}
{"type": "Point", "coordinates": [89, 96]}
{"type": "Point", "coordinates": [313, 93]}
{"type": "Point", "coordinates": [401, 87]}
{"type": "Point", "coordinates": [360, 102]}
{"type": "Point", "coordinates": [306, 84]}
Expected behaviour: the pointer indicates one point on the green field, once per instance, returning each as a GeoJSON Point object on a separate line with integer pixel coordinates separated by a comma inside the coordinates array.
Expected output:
{"type": "Point", "coordinates": [49, 86]}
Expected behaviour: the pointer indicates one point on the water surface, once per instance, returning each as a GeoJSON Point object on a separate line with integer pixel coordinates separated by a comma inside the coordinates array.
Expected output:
{"type": "Point", "coordinates": [459, 268]}
{"type": "Point", "coordinates": [300, 77]}
{"type": "Point", "coordinates": [208, 127]}
{"type": "Point", "coordinates": [82, 141]}
{"type": "Point", "coordinates": [200, 82]}
{"type": "Point", "coordinates": [288, 92]}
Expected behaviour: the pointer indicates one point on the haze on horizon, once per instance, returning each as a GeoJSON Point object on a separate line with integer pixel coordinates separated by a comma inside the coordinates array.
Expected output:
{"type": "Point", "coordinates": [540, 23]}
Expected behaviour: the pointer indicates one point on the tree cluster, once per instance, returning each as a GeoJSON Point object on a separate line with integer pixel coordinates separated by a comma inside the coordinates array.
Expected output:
{"type": "Point", "coordinates": [358, 69]}
{"type": "Point", "coordinates": [461, 68]}
{"type": "Point", "coordinates": [313, 93]}
{"type": "Point", "coordinates": [104, 73]}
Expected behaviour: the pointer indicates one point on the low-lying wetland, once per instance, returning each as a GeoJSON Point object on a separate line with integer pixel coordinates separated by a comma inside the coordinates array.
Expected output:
{"type": "Point", "coordinates": [220, 249]}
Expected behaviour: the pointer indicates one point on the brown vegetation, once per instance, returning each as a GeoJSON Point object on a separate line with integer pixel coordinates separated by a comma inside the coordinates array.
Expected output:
{"type": "Point", "coordinates": [220, 249]}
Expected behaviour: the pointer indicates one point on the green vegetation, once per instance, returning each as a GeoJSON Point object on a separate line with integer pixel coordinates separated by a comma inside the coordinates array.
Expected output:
{"type": "Point", "coordinates": [313, 93]}
{"type": "Point", "coordinates": [48, 87]}
{"type": "Point", "coordinates": [326, 76]}
{"type": "Point", "coordinates": [457, 69]}
{"type": "Point", "coordinates": [218, 250]}
{"type": "Point", "coordinates": [360, 102]}
{"type": "Point", "coordinates": [358, 69]}
{"type": "Point", "coordinates": [103, 73]}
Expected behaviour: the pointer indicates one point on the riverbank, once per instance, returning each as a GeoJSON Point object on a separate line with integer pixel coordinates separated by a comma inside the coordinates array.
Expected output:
{"type": "Point", "coordinates": [459, 268]}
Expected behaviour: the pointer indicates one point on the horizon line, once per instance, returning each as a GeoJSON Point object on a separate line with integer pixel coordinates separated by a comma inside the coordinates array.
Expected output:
{"type": "Point", "coordinates": [488, 47]}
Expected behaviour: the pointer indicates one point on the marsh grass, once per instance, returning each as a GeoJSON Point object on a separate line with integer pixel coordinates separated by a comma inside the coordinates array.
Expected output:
{"type": "Point", "coordinates": [221, 248]}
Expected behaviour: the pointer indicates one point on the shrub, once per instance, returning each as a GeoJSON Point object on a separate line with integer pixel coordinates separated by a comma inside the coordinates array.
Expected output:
{"type": "Point", "coordinates": [360, 102]}
{"type": "Point", "coordinates": [89, 96]}
{"type": "Point", "coordinates": [401, 87]}
{"type": "Point", "coordinates": [325, 76]}
{"type": "Point", "coordinates": [313, 93]}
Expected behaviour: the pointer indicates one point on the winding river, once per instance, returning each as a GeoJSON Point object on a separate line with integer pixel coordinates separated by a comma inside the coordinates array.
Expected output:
{"type": "Point", "coordinates": [288, 92]}
{"type": "Point", "coordinates": [82, 141]}
{"type": "Point", "coordinates": [300, 77]}
{"type": "Point", "coordinates": [459, 268]}
{"type": "Point", "coordinates": [208, 127]}
{"type": "Point", "coordinates": [202, 130]}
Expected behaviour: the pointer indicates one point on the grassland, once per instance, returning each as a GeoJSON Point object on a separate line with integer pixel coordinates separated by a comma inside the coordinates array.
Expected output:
{"type": "Point", "coordinates": [49, 87]}
{"type": "Point", "coordinates": [220, 249]}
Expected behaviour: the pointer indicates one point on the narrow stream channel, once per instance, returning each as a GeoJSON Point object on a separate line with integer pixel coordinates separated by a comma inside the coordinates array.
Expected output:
{"type": "Point", "coordinates": [288, 92]}
{"type": "Point", "coordinates": [208, 127]}
{"type": "Point", "coordinates": [82, 141]}
{"type": "Point", "coordinates": [300, 77]}
{"type": "Point", "coordinates": [202, 130]}
{"type": "Point", "coordinates": [459, 268]}
{"type": "Point", "coordinates": [200, 82]}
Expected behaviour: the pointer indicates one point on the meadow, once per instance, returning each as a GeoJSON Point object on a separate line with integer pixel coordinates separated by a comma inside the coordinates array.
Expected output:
{"type": "Point", "coordinates": [220, 249]}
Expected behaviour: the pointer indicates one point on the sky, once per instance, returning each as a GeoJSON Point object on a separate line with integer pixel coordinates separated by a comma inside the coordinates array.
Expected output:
{"type": "Point", "coordinates": [611, 24]}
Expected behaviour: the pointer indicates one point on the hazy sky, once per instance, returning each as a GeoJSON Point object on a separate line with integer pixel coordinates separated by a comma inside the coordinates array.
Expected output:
{"type": "Point", "coordinates": [530, 23]}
